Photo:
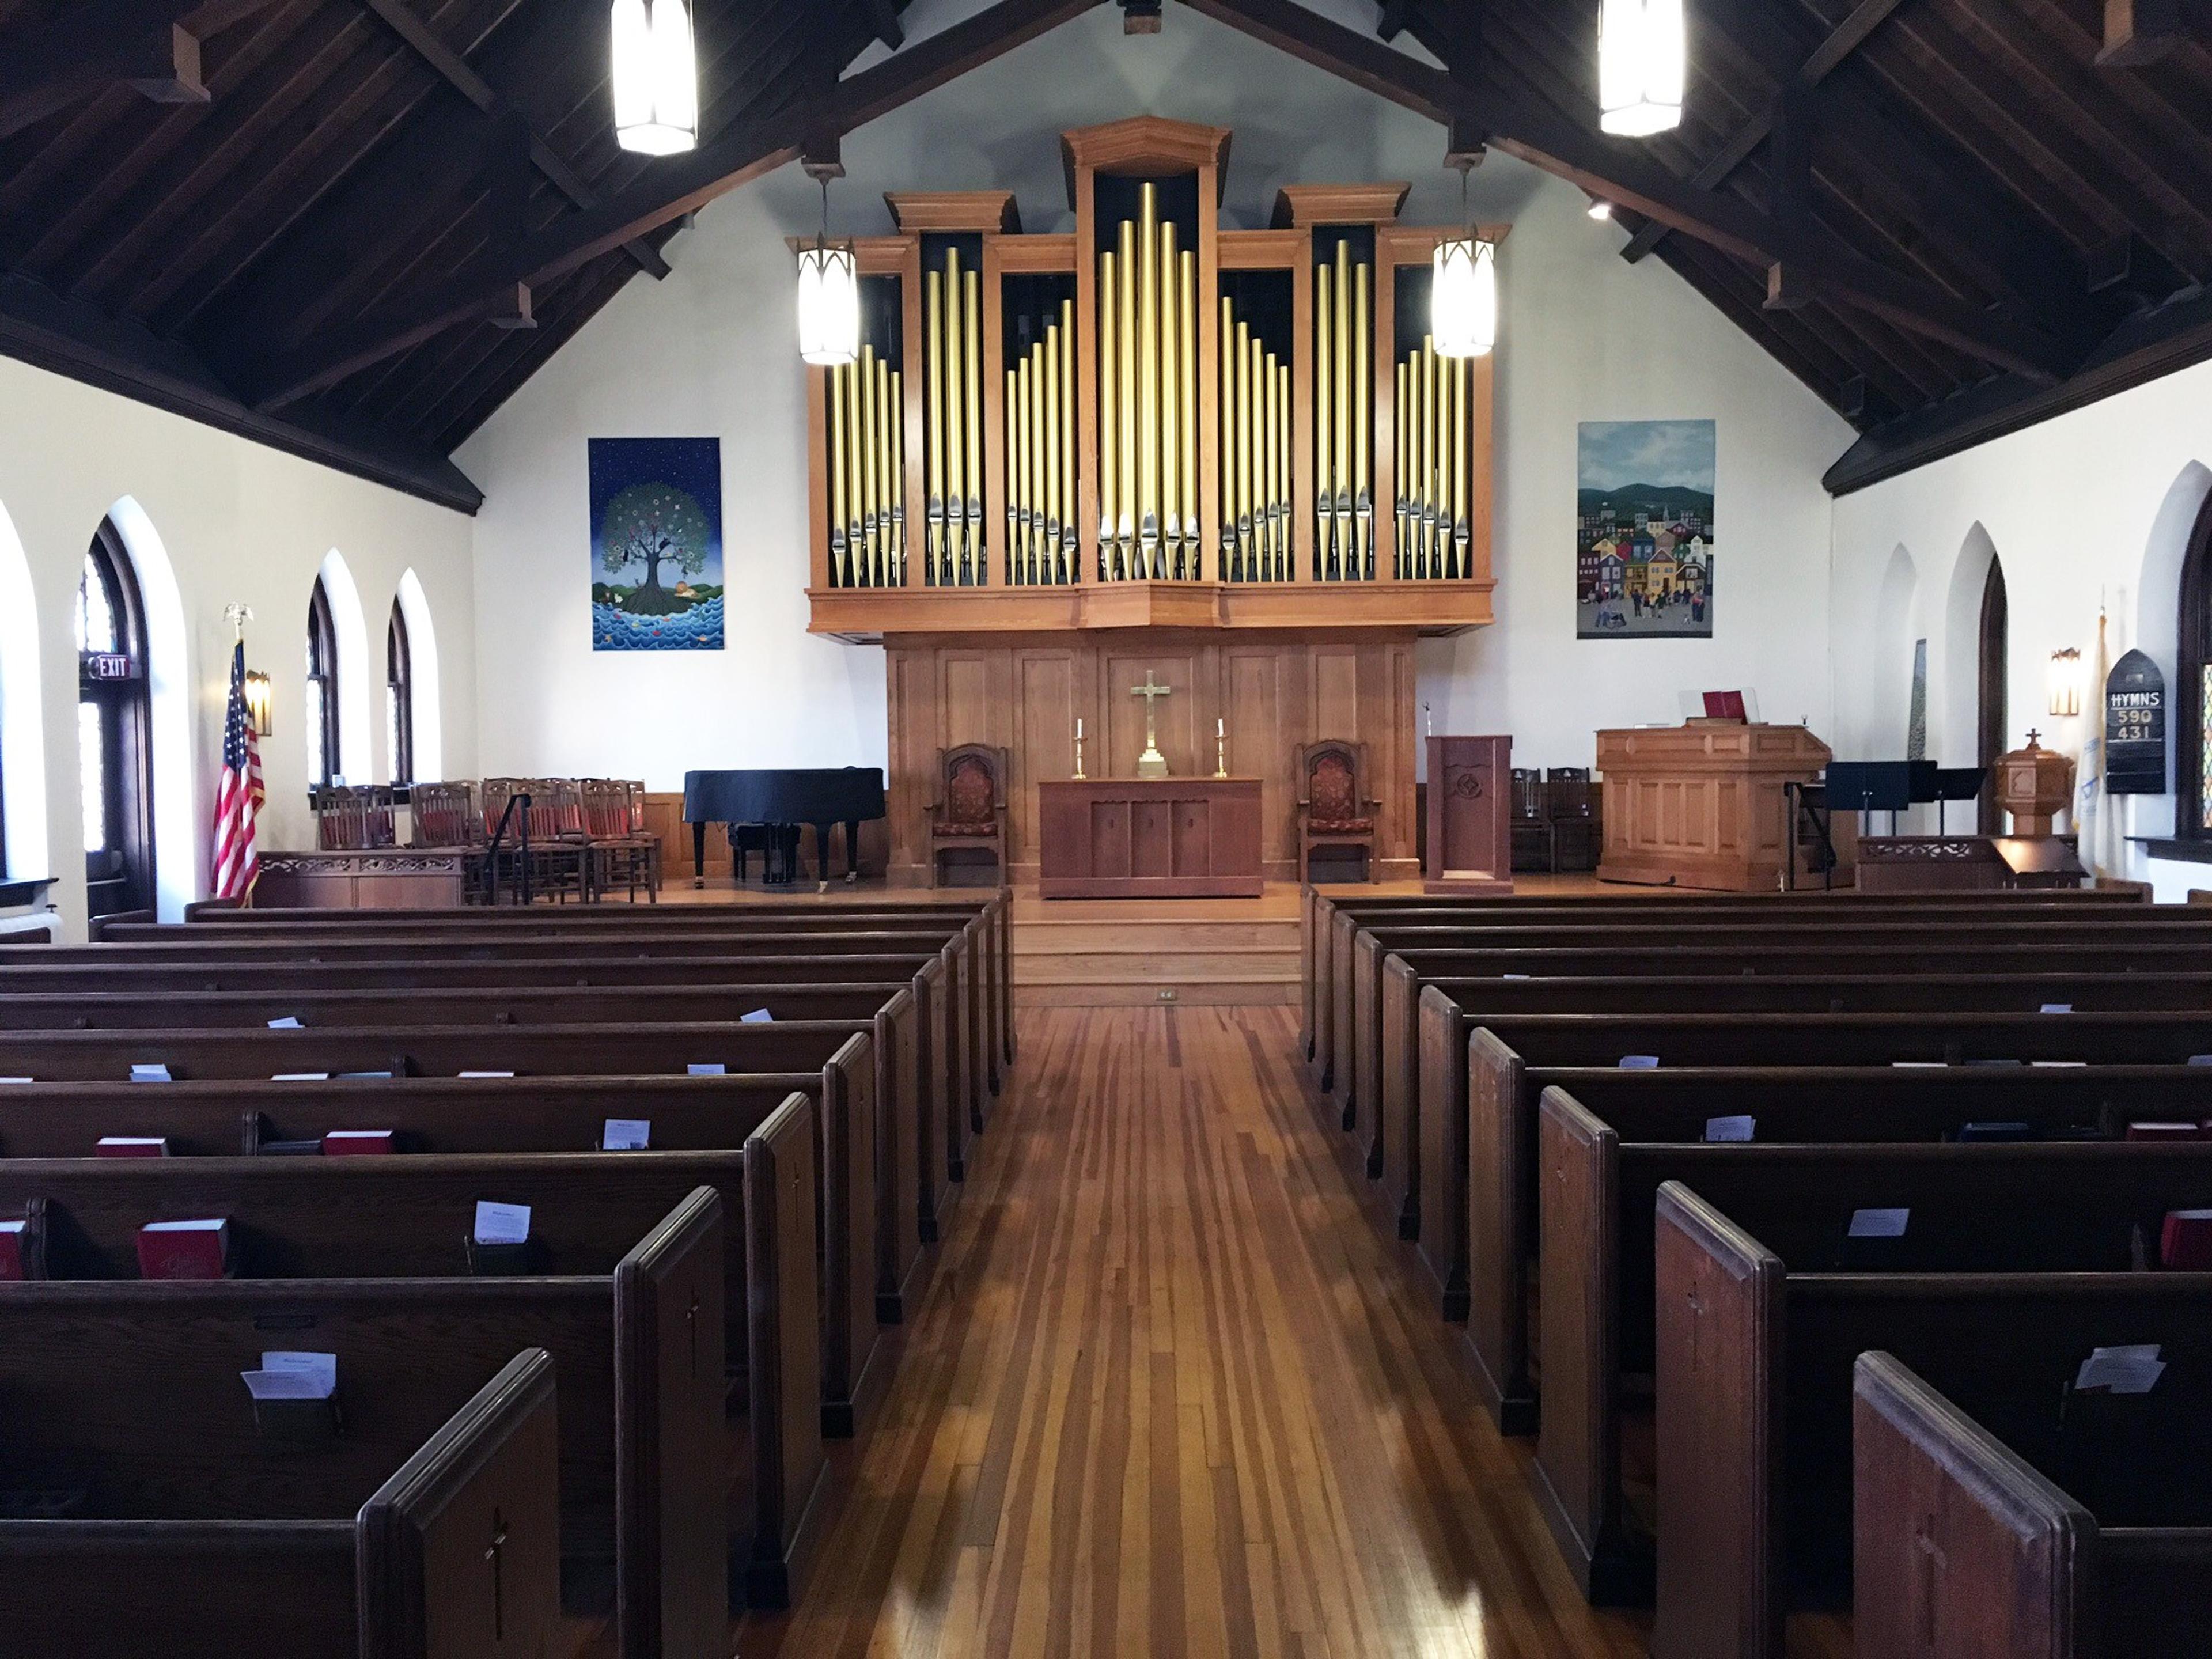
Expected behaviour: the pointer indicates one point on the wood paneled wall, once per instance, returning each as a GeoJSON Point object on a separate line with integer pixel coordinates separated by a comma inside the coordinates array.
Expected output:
{"type": "Point", "coordinates": [1025, 693]}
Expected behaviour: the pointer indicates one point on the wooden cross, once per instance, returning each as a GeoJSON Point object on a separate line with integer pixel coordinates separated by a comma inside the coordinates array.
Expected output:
{"type": "Point", "coordinates": [1148, 691]}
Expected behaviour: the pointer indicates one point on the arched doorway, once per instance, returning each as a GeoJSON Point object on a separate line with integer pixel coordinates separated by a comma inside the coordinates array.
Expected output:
{"type": "Point", "coordinates": [1991, 723]}
{"type": "Point", "coordinates": [114, 730]}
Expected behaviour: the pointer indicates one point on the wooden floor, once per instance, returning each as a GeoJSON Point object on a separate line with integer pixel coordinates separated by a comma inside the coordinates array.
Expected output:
{"type": "Point", "coordinates": [1173, 1395]}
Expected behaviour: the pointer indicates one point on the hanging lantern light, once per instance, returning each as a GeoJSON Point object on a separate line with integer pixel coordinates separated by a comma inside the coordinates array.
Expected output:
{"type": "Point", "coordinates": [1642, 65]}
{"type": "Point", "coordinates": [1463, 287]}
{"type": "Point", "coordinates": [655, 77]}
{"type": "Point", "coordinates": [828, 297]}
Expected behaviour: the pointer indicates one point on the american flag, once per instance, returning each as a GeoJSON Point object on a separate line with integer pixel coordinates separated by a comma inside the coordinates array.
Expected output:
{"type": "Point", "coordinates": [238, 797]}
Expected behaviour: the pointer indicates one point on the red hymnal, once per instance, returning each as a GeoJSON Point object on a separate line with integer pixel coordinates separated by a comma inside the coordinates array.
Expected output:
{"type": "Point", "coordinates": [1724, 706]}
{"type": "Point", "coordinates": [15, 1242]}
{"type": "Point", "coordinates": [184, 1250]}
{"type": "Point", "coordinates": [2165, 1132]}
{"type": "Point", "coordinates": [132, 1146]}
{"type": "Point", "coordinates": [357, 1143]}
{"type": "Point", "coordinates": [2184, 1242]}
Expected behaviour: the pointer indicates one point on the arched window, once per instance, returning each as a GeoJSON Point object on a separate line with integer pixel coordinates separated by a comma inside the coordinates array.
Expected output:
{"type": "Point", "coordinates": [114, 755]}
{"type": "Point", "coordinates": [324, 764]}
{"type": "Point", "coordinates": [399, 698]}
{"type": "Point", "coordinates": [2192, 689]}
{"type": "Point", "coordinates": [1991, 724]}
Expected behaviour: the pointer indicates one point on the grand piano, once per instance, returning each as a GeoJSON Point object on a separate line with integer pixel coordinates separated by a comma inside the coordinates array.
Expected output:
{"type": "Point", "coordinates": [780, 800]}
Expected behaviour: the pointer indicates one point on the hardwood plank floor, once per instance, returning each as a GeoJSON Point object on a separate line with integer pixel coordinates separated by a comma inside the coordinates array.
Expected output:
{"type": "Point", "coordinates": [1171, 1394]}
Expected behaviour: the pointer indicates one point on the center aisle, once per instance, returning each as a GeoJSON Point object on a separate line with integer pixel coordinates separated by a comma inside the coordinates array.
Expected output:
{"type": "Point", "coordinates": [1170, 1395]}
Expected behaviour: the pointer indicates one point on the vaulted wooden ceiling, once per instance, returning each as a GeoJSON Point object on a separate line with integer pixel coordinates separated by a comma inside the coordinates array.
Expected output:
{"type": "Point", "coordinates": [354, 228]}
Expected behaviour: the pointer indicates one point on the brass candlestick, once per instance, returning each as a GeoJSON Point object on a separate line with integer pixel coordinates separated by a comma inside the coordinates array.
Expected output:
{"type": "Point", "coordinates": [1220, 750]}
{"type": "Point", "coordinates": [1079, 751]}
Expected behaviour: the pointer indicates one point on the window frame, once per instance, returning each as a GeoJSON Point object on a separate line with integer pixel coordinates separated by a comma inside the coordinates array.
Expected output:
{"type": "Point", "coordinates": [399, 692]}
{"type": "Point", "coordinates": [2193, 657]}
{"type": "Point", "coordinates": [125, 706]}
{"type": "Point", "coordinates": [322, 672]}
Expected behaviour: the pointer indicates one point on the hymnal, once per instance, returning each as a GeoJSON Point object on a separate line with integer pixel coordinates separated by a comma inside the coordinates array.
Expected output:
{"type": "Point", "coordinates": [2057, 1007]}
{"type": "Point", "coordinates": [2133, 1368]}
{"type": "Point", "coordinates": [156, 1072]}
{"type": "Point", "coordinates": [132, 1146]}
{"type": "Point", "coordinates": [1639, 1062]}
{"type": "Point", "coordinates": [184, 1250]}
{"type": "Point", "coordinates": [290, 1022]}
{"type": "Point", "coordinates": [758, 1016]}
{"type": "Point", "coordinates": [1878, 1224]}
{"type": "Point", "coordinates": [2185, 1241]}
{"type": "Point", "coordinates": [358, 1143]}
{"type": "Point", "coordinates": [294, 1375]}
{"type": "Point", "coordinates": [501, 1224]}
{"type": "Point", "coordinates": [625, 1135]}
{"type": "Point", "coordinates": [1730, 1128]}
{"type": "Point", "coordinates": [19, 1251]}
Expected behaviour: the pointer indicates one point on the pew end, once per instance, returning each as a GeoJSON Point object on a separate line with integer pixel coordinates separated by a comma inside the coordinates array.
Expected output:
{"type": "Point", "coordinates": [788, 1505]}
{"type": "Point", "coordinates": [1494, 1202]}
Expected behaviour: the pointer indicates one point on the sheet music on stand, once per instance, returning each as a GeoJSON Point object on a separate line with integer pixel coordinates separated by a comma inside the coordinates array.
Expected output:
{"type": "Point", "coordinates": [1739, 708]}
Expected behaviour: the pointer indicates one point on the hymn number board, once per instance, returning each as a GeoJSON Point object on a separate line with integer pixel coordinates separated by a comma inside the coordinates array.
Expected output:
{"type": "Point", "coordinates": [2135, 727]}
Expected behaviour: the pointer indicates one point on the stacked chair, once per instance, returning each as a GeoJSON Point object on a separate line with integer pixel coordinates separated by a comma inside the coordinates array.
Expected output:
{"type": "Point", "coordinates": [1846, 1259]}
{"type": "Point", "coordinates": [557, 1360]}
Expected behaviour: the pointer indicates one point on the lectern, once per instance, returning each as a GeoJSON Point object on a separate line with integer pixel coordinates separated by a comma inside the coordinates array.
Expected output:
{"type": "Point", "coordinates": [1470, 823]}
{"type": "Point", "coordinates": [1701, 806]}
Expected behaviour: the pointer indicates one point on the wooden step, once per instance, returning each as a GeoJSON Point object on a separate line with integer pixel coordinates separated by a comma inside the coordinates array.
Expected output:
{"type": "Point", "coordinates": [1151, 967]}
{"type": "Point", "coordinates": [1221, 994]}
{"type": "Point", "coordinates": [1053, 937]}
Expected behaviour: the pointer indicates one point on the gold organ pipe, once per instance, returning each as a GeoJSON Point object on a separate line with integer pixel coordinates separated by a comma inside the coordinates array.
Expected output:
{"type": "Point", "coordinates": [834, 385]}
{"type": "Point", "coordinates": [886, 481]}
{"type": "Point", "coordinates": [1065, 568]}
{"type": "Point", "coordinates": [1109, 410]}
{"type": "Point", "coordinates": [1033, 367]}
{"type": "Point", "coordinates": [1147, 284]}
{"type": "Point", "coordinates": [1169, 370]}
{"type": "Point", "coordinates": [1341, 555]}
{"type": "Point", "coordinates": [1049, 551]}
{"type": "Point", "coordinates": [1363, 389]}
{"type": "Point", "coordinates": [1462, 483]}
{"type": "Point", "coordinates": [1284, 470]}
{"type": "Point", "coordinates": [1012, 414]}
{"type": "Point", "coordinates": [897, 452]}
{"type": "Point", "coordinates": [1125, 368]}
{"type": "Point", "coordinates": [932, 385]}
{"type": "Point", "coordinates": [1324, 397]}
{"type": "Point", "coordinates": [955, 427]}
{"type": "Point", "coordinates": [1431, 563]}
{"type": "Point", "coordinates": [1226, 418]}
{"type": "Point", "coordinates": [1190, 557]}
{"type": "Point", "coordinates": [971, 379]}
{"type": "Point", "coordinates": [1255, 449]}
{"type": "Point", "coordinates": [1022, 559]}
{"type": "Point", "coordinates": [1403, 424]}
{"type": "Point", "coordinates": [871, 422]}
{"type": "Point", "coordinates": [1247, 547]}
{"type": "Point", "coordinates": [865, 449]}
{"type": "Point", "coordinates": [1416, 477]}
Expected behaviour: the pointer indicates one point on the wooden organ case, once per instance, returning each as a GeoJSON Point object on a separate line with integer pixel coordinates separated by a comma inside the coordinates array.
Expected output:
{"type": "Point", "coordinates": [1229, 455]}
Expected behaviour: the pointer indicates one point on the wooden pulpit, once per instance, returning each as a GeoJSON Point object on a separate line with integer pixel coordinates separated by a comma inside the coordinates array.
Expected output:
{"type": "Point", "coordinates": [1470, 816]}
{"type": "Point", "coordinates": [1701, 805]}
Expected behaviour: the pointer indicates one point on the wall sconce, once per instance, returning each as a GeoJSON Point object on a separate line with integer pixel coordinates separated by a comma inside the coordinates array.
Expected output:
{"type": "Point", "coordinates": [2065, 682]}
{"type": "Point", "coordinates": [258, 701]}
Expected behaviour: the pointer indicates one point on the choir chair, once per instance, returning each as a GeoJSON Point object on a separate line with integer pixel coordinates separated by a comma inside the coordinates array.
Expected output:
{"type": "Point", "coordinates": [970, 808]}
{"type": "Point", "coordinates": [1336, 810]}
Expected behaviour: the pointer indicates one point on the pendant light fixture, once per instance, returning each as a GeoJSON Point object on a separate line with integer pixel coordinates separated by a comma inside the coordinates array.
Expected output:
{"type": "Point", "coordinates": [1642, 63]}
{"type": "Point", "coordinates": [828, 296]}
{"type": "Point", "coordinates": [1463, 286]}
{"type": "Point", "coordinates": [655, 77]}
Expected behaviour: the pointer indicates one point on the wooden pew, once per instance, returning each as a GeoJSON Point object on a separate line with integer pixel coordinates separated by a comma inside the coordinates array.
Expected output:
{"type": "Point", "coordinates": [642, 1463]}
{"type": "Point", "coordinates": [1319, 935]}
{"type": "Point", "coordinates": [842, 1052]}
{"type": "Point", "coordinates": [456, 1549]}
{"type": "Point", "coordinates": [1601, 1180]}
{"type": "Point", "coordinates": [708, 958]}
{"type": "Point", "coordinates": [1754, 1361]}
{"type": "Point", "coordinates": [1490, 1238]}
{"type": "Point", "coordinates": [1964, 1545]}
{"type": "Point", "coordinates": [908, 1093]}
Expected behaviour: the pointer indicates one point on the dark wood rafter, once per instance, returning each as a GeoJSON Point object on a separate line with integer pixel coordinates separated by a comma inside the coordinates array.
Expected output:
{"type": "Point", "coordinates": [142, 44]}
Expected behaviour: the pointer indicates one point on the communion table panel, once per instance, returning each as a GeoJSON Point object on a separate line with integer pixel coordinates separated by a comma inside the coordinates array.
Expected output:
{"type": "Point", "coordinates": [1149, 838]}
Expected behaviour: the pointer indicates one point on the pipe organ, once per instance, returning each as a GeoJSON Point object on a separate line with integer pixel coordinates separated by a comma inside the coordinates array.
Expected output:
{"type": "Point", "coordinates": [1150, 419]}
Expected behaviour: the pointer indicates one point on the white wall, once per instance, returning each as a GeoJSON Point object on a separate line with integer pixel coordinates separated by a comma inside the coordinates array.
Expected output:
{"type": "Point", "coordinates": [2093, 506]}
{"type": "Point", "coordinates": [234, 522]}
{"type": "Point", "coordinates": [712, 351]}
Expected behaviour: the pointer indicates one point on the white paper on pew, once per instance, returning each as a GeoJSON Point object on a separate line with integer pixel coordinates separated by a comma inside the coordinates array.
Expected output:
{"type": "Point", "coordinates": [2058, 1062]}
{"type": "Point", "coordinates": [156, 1072]}
{"type": "Point", "coordinates": [2132, 1368]}
{"type": "Point", "coordinates": [1730, 1128]}
{"type": "Point", "coordinates": [299, 1077]}
{"type": "Point", "coordinates": [283, 1385]}
{"type": "Point", "coordinates": [17, 1080]}
{"type": "Point", "coordinates": [1878, 1224]}
{"type": "Point", "coordinates": [1918, 1065]}
{"type": "Point", "coordinates": [290, 1022]}
{"type": "Point", "coordinates": [708, 1068]}
{"type": "Point", "coordinates": [487, 1075]}
{"type": "Point", "coordinates": [758, 1016]}
{"type": "Point", "coordinates": [501, 1224]}
{"type": "Point", "coordinates": [626, 1134]}
{"type": "Point", "coordinates": [347, 1074]}
{"type": "Point", "coordinates": [2057, 1007]}
{"type": "Point", "coordinates": [321, 1369]}
{"type": "Point", "coordinates": [1639, 1062]}
{"type": "Point", "coordinates": [2200, 1060]}
{"type": "Point", "coordinates": [1513, 975]}
{"type": "Point", "coordinates": [214, 1224]}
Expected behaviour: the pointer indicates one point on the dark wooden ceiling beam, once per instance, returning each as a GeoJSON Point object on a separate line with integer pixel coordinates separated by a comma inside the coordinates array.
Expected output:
{"type": "Point", "coordinates": [454, 69]}
{"type": "Point", "coordinates": [676, 185]}
{"type": "Point", "coordinates": [1396, 13]}
{"type": "Point", "coordinates": [139, 42]}
{"type": "Point", "coordinates": [2140, 32]}
{"type": "Point", "coordinates": [1521, 126]}
{"type": "Point", "coordinates": [67, 337]}
{"type": "Point", "coordinates": [1841, 42]}
{"type": "Point", "coordinates": [883, 18]}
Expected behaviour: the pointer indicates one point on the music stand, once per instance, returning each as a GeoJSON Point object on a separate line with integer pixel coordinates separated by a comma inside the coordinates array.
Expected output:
{"type": "Point", "coordinates": [1864, 786]}
{"type": "Point", "coordinates": [1956, 783]}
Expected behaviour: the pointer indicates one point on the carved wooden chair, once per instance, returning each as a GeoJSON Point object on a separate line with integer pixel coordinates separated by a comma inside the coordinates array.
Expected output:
{"type": "Point", "coordinates": [1334, 809]}
{"type": "Point", "coordinates": [970, 808]}
{"type": "Point", "coordinates": [558, 866]}
{"type": "Point", "coordinates": [623, 854]}
{"type": "Point", "coordinates": [1531, 822]}
{"type": "Point", "coordinates": [444, 815]}
{"type": "Point", "coordinates": [353, 817]}
{"type": "Point", "coordinates": [1571, 802]}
